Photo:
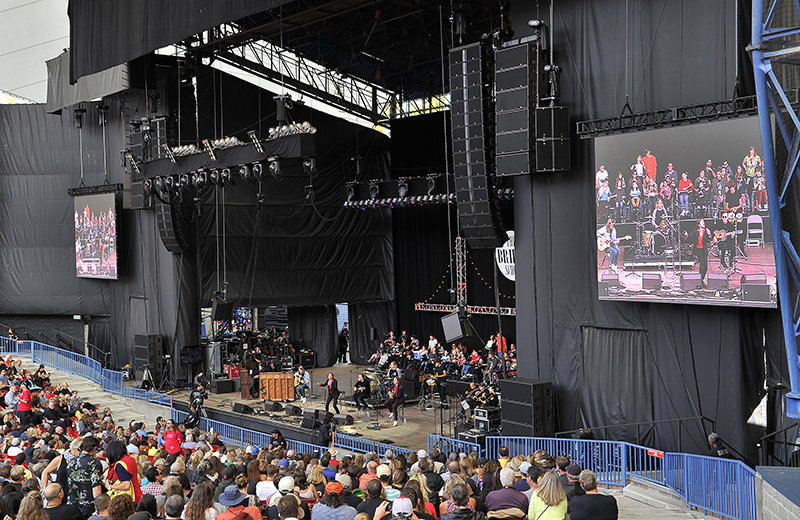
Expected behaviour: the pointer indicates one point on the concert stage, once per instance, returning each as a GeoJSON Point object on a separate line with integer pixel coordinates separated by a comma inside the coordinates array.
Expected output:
{"type": "Point", "coordinates": [413, 433]}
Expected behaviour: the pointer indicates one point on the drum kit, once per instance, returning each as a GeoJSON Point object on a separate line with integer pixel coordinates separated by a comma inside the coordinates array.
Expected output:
{"type": "Point", "coordinates": [655, 242]}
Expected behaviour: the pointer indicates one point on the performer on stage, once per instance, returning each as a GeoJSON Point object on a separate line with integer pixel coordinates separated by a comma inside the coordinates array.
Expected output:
{"type": "Point", "coordinates": [724, 236]}
{"type": "Point", "coordinates": [333, 393]}
{"type": "Point", "coordinates": [659, 214]}
{"type": "Point", "coordinates": [439, 374]}
{"type": "Point", "coordinates": [700, 239]}
{"type": "Point", "coordinates": [344, 341]}
{"type": "Point", "coordinates": [608, 234]}
{"type": "Point", "coordinates": [361, 392]}
{"type": "Point", "coordinates": [393, 370]}
{"type": "Point", "coordinates": [302, 383]}
{"type": "Point", "coordinates": [397, 396]}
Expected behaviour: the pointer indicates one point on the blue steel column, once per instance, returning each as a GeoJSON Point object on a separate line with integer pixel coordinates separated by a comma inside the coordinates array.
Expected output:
{"type": "Point", "coordinates": [761, 67]}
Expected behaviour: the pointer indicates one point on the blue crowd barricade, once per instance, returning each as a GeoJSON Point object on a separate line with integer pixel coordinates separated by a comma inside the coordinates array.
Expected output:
{"type": "Point", "coordinates": [356, 444]}
{"type": "Point", "coordinates": [447, 445]}
{"type": "Point", "coordinates": [380, 448]}
{"type": "Point", "coordinates": [112, 381]}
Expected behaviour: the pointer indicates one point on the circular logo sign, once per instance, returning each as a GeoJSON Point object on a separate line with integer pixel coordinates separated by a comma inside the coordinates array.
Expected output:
{"type": "Point", "coordinates": [504, 256]}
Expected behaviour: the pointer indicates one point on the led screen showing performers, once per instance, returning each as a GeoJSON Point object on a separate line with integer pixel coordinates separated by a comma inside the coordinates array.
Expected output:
{"type": "Point", "coordinates": [682, 216]}
{"type": "Point", "coordinates": [96, 236]}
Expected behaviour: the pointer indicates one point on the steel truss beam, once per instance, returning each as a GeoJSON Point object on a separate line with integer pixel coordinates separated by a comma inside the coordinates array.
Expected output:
{"type": "Point", "coordinates": [772, 100]}
{"type": "Point", "coordinates": [438, 307]}
{"type": "Point", "coordinates": [669, 116]}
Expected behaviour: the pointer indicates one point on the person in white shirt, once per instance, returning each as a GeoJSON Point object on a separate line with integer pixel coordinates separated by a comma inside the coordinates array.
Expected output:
{"type": "Point", "coordinates": [433, 342]}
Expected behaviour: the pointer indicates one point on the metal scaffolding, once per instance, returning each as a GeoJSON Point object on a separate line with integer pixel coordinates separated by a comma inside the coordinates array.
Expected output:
{"type": "Point", "coordinates": [774, 46]}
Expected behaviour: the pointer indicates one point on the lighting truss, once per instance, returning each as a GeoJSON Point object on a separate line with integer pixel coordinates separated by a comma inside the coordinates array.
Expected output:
{"type": "Point", "coordinates": [742, 106]}
{"type": "Point", "coordinates": [439, 307]}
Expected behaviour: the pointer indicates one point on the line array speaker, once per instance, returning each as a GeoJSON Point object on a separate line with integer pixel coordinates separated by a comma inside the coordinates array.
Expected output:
{"type": "Point", "coordinates": [553, 151]}
{"type": "Point", "coordinates": [472, 117]}
{"type": "Point", "coordinates": [171, 227]}
{"type": "Point", "coordinates": [148, 350]}
{"type": "Point", "coordinates": [528, 408]}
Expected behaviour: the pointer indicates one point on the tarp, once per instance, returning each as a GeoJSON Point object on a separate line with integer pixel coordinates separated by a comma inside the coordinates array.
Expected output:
{"type": "Point", "coordinates": [61, 93]}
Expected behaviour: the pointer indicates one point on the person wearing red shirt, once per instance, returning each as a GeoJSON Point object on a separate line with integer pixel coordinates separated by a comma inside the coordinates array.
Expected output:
{"type": "Point", "coordinates": [650, 164]}
{"type": "Point", "coordinates": [24, 406]}
{"type": "Point", "coordinates": [701, 243]}
{"type": "Point", "coordinates": [172, 437]}
{"type": "Point", "coordinates": [685, 187]}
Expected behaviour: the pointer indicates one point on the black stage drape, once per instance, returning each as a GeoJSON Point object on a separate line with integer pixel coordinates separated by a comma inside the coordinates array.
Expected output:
{"type": "Point", "coordinates": [294, 248]}
{"type": "Point", "coordinates": [617, 362]}
{"type": "Point", "coordinates": [104, 34]}
{"type": "Point", "coordinates": [363, 318]}
{"type": "Point", "coordinates": [315, 328]}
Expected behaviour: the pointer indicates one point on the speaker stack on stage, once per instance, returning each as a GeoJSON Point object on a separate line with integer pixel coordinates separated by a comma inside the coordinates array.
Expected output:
{"type": "Point", "coordinates": [243, 409]}
{"type": "Point", "coordinates": [528, 408]}
{"type": "Point", "coordinates": [172, 227]}
{"type": "Point", "coordinates": [472, 117]}
{"type": "Point", "coordinates": [148, 351]}
{"type": "Point", "coordinates": [754, 288]}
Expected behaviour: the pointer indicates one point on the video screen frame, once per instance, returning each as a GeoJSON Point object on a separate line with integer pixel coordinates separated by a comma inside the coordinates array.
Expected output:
{"type": "Point", "coordinates": [689, 239]}
{"type": "Point", "coordinates": [96, 226]}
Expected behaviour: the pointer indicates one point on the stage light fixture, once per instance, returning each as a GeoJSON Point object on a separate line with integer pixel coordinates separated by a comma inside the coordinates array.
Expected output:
{"type": "Point", "coordinates": [310, 166]}
{"type": "Point", "coordinates": [185, 180]}
{"type": "Point", "coordinates": [275, 168]}
{"type": "Point", "coordinates": [170, 183]}
{"type": "Point", "coordinates": [258, 172]}
{"type": "Point", "coordinates": [256, 142]}
{"type": "Point", "coordinates": [209, 150]}
{"type": "Point", "coordinates": [402, 187]}
{"type": "Point", "coordinates": [147, 187]}
{"type": "Point", "coordinates": [535, 23]}
{"type": "Point", "coordinates": [200, 179]}
{"type": "Point", "coordinates": [213, 177]}
{"type": "Point", "coordinates": [169, 153]}
{"type": "Point", "coordinates": [246, 173]}
{"type": "Point", "coordinates": [374, 190]}
{"type": "Point", "coordinates": [78, 120]}
{"type": "Point", "coordinates": [226, 177]}
{"type": "Point", "coordinates": [132, 161]}
{"type": "Point", "coordinates": [431, 184]}
{"type": "Point", "coordinates": [351, 191]}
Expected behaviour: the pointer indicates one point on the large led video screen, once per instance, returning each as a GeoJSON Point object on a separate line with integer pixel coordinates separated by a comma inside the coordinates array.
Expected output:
{"type": "Point", "coordinates": [96, 236]}
{"type": "Point", "coordinates": [683, 216]}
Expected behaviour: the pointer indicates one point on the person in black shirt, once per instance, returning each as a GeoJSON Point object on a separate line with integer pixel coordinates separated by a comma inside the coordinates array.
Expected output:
{"type": "Point", "coordinates": [440, 374]}
{"type": "Point", "coordinates": [324, 436]}
{"type": "Point", "coordinates": [700, 239]}
{"type": "Point", "coordinates": [724, 237]}
{"type": "Point", "coordinates": [361, 392]}
{"type": "Point", "coordinates": [278, 443]}
{"type": "Point", "coordinates": [592, 505]}
{"type": "Point", "coordinates": [333, 393]}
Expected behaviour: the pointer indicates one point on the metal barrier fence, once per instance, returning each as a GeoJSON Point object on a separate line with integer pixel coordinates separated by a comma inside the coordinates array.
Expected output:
{"type": "Point", "coordinates": [447, 445]}
{"type": "Point", "coordinates": [721, 486]}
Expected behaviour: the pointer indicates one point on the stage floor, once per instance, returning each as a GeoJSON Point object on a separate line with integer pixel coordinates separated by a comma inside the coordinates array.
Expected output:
{"type": "Point", "coordinates": [411, 434]}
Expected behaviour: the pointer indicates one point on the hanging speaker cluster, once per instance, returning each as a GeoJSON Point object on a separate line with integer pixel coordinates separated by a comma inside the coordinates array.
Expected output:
{"type": "Point", "coordinates": [473, 132]}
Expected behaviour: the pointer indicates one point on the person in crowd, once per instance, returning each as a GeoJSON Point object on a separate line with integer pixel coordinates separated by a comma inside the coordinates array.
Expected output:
{"type": "Point", "coordinates": [146, 509]}
{"type": "Point", "coordinates": [101, 503]}
{"type": "Point", "coordinates": [235, 503]}
{"type": "Point", "coordinates": [507, 497]}
{"type": "Point", "coordinates": [460, 495]}
{"type": "Point", "coordinates": [592, 505]}
{"type": "Point", "coordinates": [548, 502]}
{"type": "Point", "coordinates": [573, 488]}
{"type": "Point", "coordinates": [332, 506]}
{"type": "Point", "coordinates": [85, 476]}
{"type": "Point", "coordinates": [172, 437]}
{"type": "Point", "coordinates": [32, 508]}
{"type": "Point", "coordinates": [57, 508]}
{"type": "Point", "coordinates": [201, 504]}
{"type": "Point", "coordinates": [122, 476]}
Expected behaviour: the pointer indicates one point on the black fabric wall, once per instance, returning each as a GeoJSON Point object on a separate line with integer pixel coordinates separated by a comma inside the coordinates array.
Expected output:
{"type": "Point", "coordinates": [696, 360]}
{"type": "Point", "coordinates": [104, 34]}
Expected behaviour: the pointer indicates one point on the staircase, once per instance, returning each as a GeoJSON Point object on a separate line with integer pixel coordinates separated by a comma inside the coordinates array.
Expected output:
{"type": "Point", "coordinates": [124, 410]}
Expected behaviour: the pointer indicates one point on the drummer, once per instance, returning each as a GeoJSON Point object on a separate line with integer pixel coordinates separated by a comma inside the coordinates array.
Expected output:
{"type": "Point", "coordinates": [659, 214]}
{"type": "Point", "coordinates": [393, 371]}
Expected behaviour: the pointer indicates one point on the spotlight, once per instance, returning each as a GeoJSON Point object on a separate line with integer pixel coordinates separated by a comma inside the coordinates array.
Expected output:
{"type": "Point", "coordinates": [147, 187]}
{"type": "Point", "coordinates": [209, 149]}
{"type": "Point", "coordinates": [275, 168]}
{"type": "Point", "coordinates": [310, 166]}
{"type": "Point", "coordinates": [200, 179]}
{"type": "Point", "coordinates": [214, 177]}
{"type": "Point", "coordinates": [402, 188]}
{"type": "Point", "coordinates": [256, 142]}
{"type": "Point", "coordinates": [373, 189]}
{"type": "Point", "coordinates": [78, 120]}
{"type": "Point", "coordinates": [131, 160]}
{"type": "Point", "coordinates": [170, 183]}
{"type": "Point", "coordinates": [159, 182]}
{"type": "Point", "coordinates": [351, 191]}
{"type": "Point", "coordinates": [169, 153]}
{"type": "Point", "coordinates": [535, 23]}
{"type": "Point", "coordinates": [258, 172]}
{"type": "Point", "coordinates": [226, 177]}
{"type": "Point", "coordinates": [185, 180]}
{"type": "Point", "coordinates": [273, 133]}
{"type": "Point", "coordinates": [246, 173]}
{"type": "Point", "coordinates": [431, 184]}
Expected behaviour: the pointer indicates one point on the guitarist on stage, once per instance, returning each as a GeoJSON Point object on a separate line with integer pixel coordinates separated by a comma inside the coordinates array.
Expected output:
{"type": "Point", "coordinates": [724, 236]}
{"type": "Point", "coordinates": [607, 237]}
{"type": "Point", "coordinates": [302, 383]}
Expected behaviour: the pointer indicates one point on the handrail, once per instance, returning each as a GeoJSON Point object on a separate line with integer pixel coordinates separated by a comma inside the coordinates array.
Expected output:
{"type": "Point", "coordinates": [105, 355]}
{"type": "Point", "coordinates": [679, 420]}
{"type": "Point", "coordinates": [763, 455]}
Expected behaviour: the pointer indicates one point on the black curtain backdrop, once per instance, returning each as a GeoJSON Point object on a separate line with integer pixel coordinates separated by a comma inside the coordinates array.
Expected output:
{"type": "Point", "coordinates": [286, 250]}
{"type": "Point", "coordinates": [701, 360]}
{"type": "Point", "coordinates": [104, 34]}
{"type": "Point", "coordinates": [315, 328]}
{"type": "Point", "coordinates": [363, 317]}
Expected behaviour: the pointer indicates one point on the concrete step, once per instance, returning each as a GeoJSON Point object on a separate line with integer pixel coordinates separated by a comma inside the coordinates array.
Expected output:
{"type": "Point", "coordinates": [631, 509]}
{"type": "Point", "coordinates": [654, 495]}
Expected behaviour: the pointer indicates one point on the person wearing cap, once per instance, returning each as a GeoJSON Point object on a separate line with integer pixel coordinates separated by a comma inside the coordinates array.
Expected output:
{"type": "Point", "coordinates": [278, 443]}
{"type": "Point", "coordinates": [236, 503]}
{"type": "Point", "coordinates": [385, 476]}
{"type": "Point", "coordinates": [592, 505]}
{"type": "Point", "coordinates": [533, 473]}
{"type": "Point", "coordinates": [347, 484]}
{"type": "Point", "coordinates": [332, 506]}
{"type": "Point", "coordinates": [507, 497]}
{"type": "Point", "coordinates": [573, 488]}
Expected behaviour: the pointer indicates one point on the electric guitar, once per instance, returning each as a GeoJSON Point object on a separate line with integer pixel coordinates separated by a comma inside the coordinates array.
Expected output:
{"type": "Point", "coordinates": [603, 242]}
